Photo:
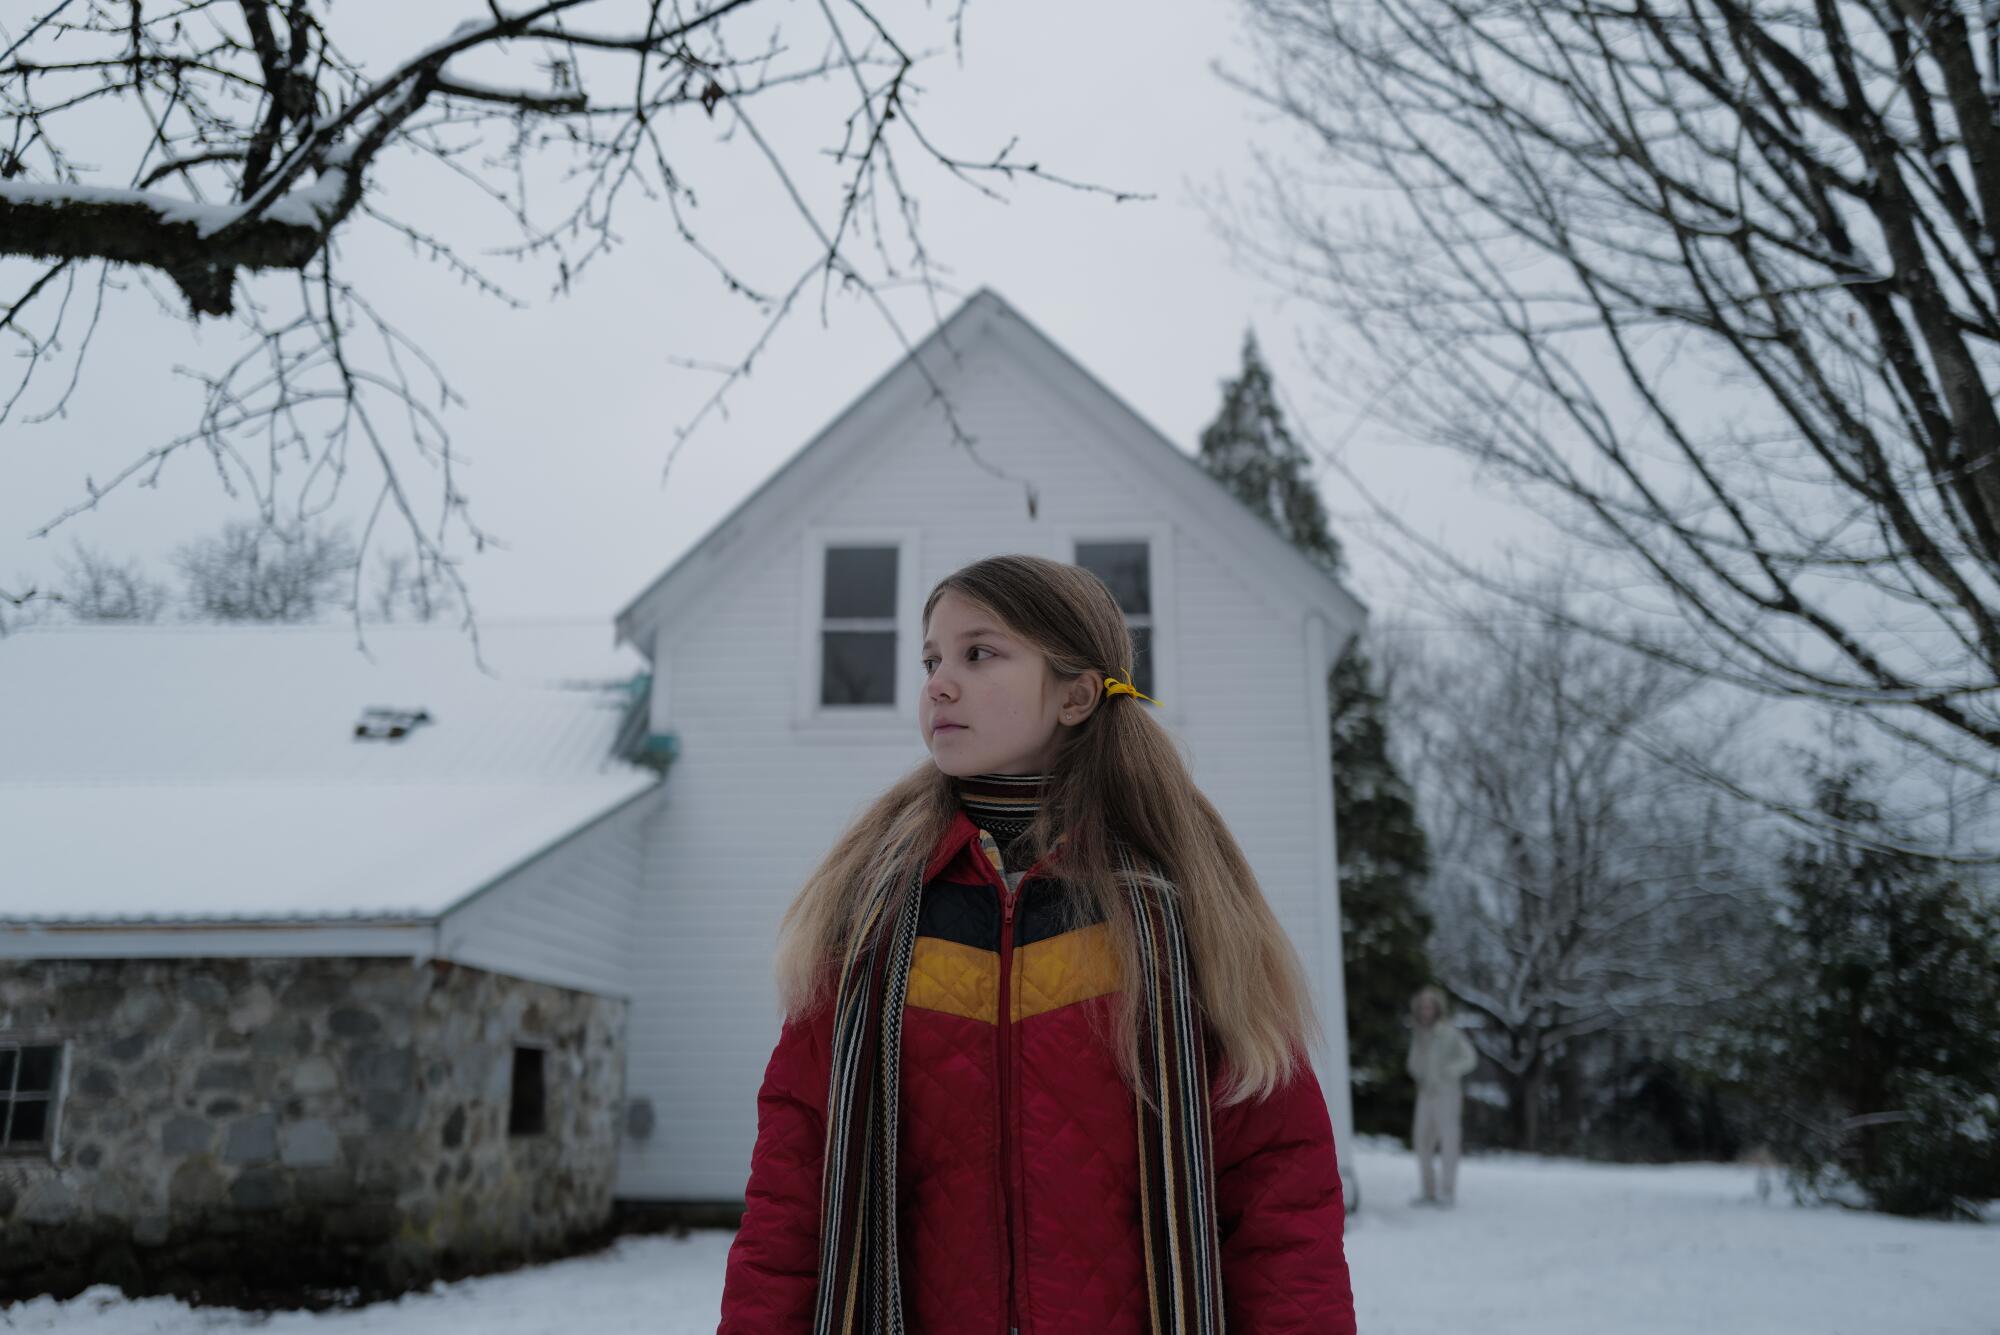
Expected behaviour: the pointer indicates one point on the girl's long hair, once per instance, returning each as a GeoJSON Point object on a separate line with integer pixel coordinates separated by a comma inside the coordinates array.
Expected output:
{"type": "Point", "coordinates": [1118, 772]}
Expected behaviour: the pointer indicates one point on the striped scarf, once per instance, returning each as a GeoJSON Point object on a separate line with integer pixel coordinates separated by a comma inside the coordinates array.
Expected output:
{"type": "Point", "coordinates": [859, 1280]}
{"type": "Point", "coordinates": [1003, 805]}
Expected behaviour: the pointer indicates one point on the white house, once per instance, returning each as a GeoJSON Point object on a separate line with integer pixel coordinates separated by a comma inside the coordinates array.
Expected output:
{"type": "Point", "coordinates": [282, 927]}
{"type": "Point", "coordinates": [781, 742]}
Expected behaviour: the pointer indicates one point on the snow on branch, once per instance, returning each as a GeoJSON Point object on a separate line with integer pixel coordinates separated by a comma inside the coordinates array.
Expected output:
{"type": "Point", "coordinates": [320, 120]}
{"type": "Point", "coordinates": [205, 143]}
{"type": "Point", "coordinates": [71, 222]}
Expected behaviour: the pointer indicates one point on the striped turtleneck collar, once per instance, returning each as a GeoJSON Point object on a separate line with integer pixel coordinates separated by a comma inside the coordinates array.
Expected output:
{"type": "Point", "coordinates": [1003, 805]}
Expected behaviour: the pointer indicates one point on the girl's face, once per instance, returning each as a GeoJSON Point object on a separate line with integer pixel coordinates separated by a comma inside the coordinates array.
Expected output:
{"type": "Point", "coordinates": [1427, 1009]}
{"type": "Point", "coordinates": [990, 705]}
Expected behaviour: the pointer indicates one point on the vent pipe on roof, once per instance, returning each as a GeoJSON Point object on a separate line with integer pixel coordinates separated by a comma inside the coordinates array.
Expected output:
{"type": "Point", "coordinates": [385, 724]}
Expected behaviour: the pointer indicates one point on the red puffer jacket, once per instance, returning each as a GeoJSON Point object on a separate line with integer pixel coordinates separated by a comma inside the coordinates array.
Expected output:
{"type": "Point", "coordinates": [1017, 1191]}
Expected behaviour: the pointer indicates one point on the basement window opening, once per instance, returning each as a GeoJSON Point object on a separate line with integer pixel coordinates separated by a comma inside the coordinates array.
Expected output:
{"type": "Point", "coordinates": [527, 1104]}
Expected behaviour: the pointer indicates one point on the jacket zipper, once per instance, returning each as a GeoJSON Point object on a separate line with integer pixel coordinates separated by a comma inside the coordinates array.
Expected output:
{"type": "Point", "coordinates": [1005, 1016]}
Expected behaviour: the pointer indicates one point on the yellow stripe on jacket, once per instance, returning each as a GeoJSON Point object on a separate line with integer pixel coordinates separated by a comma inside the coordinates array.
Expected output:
{"type": "Point", "coordinates": [1059, 971]}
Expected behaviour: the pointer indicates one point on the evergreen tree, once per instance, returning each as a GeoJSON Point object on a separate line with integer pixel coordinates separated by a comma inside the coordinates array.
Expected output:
{"type": "Point", "coordinates": [1248, 449]}
{"type": "Point", "coordinates": [1384, 858]}
{"type": "Point", "coordinates": [1877, 1052]}
{"type": "Point", "coordinates": [1383, 854]}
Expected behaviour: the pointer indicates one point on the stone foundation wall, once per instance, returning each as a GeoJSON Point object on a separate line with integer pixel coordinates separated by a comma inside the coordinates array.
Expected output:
{"type": "Point", "coordinates": [265, 1130]}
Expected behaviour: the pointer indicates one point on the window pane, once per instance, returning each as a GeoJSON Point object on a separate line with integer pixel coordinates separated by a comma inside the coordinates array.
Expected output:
{"type": "Point", "coordinates": [1122, 566]}
{"type": "Point", "coordinates": [31, 1120]}
{"type": "Point", "coordinates": [1142, 670]}
{"type": "Point", "coordinates": [860, 581]}
{"type": "Point", "coordinates": [525, 1108]}
{"type": "Point", "coordinates": [6, 1070]}
{"type": "Point", "coordinates": [857, 667]}
{"type": "Point", "coordinates": [38, 1070]}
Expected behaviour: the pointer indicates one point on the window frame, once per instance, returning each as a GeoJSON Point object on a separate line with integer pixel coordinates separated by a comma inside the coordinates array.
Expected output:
{"type": "Point", "coordinates": [808, 714]}
{"type": "Point", "coordinates": [1157, 539]}
{"type": "Point", "coordinates": [51, 1144]}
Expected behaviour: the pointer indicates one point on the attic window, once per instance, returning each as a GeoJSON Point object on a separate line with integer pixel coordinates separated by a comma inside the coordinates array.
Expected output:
{"type": "Point", "coordinates": [388, 724]}
{"type": "Point", "coordinates": [1126, 567]}
{"type": "Point", "coordinates": [858, 627]}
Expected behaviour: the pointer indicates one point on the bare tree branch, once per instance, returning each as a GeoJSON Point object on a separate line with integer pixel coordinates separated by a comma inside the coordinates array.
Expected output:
{"type": "Point", "coordinates": [247, 143]}
{"type": "Point", "coordinates": [1579, 887]}
{"type": "Point", "coordinates": [1713, 285]}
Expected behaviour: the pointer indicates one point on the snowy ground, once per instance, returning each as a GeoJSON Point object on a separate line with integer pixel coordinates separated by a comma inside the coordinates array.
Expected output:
{"type": "Point", "coordinates": [1535, 1247]}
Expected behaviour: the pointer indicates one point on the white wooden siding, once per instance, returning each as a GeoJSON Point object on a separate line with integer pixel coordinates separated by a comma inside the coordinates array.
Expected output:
{"type": "Point", "coordinates": [758, 794]}
{"type": "Point", "coordinates": [567, 916]}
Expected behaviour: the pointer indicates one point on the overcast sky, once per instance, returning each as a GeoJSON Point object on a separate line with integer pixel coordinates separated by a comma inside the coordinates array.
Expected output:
{"type": "Point", "coordinates": [572, 402]}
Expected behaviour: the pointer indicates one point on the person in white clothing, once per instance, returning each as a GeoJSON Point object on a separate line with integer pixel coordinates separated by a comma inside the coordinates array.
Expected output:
{"type": "Point", "coordinates": [1441, 1056]}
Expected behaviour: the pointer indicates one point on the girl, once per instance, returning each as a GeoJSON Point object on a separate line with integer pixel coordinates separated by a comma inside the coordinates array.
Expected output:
{"type": "Point", "coordinates": [1043, 1064]}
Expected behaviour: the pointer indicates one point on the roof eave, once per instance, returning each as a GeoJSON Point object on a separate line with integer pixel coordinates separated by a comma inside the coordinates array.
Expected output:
{"type": "Point", "coordinates": [638, 621]}
{"type": "Point", "coordinates": [633, 622]}
{"type": "Point", "coordinates": [402, 936]}
{"type": "Point", "coordinates": [1321, 590]}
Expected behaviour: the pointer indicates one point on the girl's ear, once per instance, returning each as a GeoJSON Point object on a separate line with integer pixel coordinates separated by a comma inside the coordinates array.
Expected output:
{"type": "Point", "coordinates": [1080, 696]}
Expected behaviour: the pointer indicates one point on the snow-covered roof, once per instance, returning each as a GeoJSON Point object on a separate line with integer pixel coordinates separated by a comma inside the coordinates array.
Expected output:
{"type": "Point", "coordinates": [214, 773]}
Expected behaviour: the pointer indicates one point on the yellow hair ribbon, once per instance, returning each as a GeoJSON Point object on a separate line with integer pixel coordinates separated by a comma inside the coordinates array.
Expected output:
{"type": "Point", "coordinates": [1113, 686]}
